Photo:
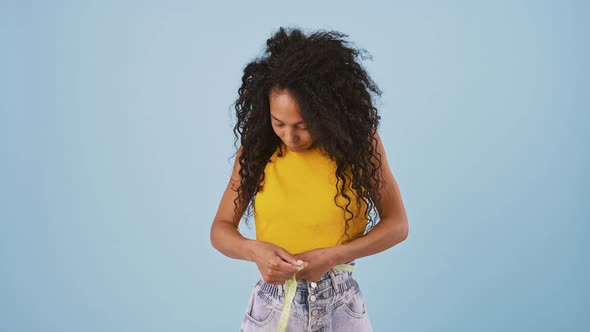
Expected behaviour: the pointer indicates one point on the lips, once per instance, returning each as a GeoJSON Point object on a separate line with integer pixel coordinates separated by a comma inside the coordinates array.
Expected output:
{"type": "Point", "coordinates": [298, 148]}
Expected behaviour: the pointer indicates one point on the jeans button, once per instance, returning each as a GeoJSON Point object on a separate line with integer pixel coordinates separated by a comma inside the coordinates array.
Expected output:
{"type": "Point", "coordinates": [315, 327]}
{"type": "Point", "coordinates": [313, 285]}
{"type": "Point", "coordinates": [314, 312]}
{"type": "Point", "coordinates": [312, 298]}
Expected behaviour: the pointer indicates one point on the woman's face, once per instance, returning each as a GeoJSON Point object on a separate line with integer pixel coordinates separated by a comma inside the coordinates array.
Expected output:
{"type": "Point", "coordinates": [287, 122]}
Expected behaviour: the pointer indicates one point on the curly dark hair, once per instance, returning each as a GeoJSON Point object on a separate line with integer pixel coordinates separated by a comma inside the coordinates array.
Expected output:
{"type": "Point", "coordinates": [333, 92]}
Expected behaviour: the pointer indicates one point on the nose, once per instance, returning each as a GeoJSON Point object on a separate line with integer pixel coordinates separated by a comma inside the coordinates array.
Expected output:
{"type": "Point", "coordinates": [290, 137]}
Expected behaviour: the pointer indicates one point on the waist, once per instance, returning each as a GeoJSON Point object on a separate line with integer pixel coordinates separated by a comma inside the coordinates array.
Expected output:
{"type": "Point", "coordinates": [297, 236]}
{"type": "Point", "coordinates": [332, 282]}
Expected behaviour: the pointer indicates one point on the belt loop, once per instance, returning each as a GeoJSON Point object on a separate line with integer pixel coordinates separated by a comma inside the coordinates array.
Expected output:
{"type": "Point", "coordinates": [280, 287]}
{"type": "Point", "coordinates": [334, 281]}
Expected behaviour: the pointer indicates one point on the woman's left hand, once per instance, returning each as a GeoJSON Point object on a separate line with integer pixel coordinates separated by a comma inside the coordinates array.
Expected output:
{"type": "Point", "coordinates": [319, 262]}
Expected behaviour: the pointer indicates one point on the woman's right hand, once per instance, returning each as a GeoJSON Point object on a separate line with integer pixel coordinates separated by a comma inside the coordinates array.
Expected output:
{"type": "Point", "coordinates": [276, 265]}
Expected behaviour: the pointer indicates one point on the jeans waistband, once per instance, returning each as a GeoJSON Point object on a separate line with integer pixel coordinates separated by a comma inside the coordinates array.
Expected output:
{"type": "Point", "coordinates": [340, 281]}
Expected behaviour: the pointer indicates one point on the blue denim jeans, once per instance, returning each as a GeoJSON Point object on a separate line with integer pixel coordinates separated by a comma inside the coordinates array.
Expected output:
{"type": "Point", "coordinates": [332, 304]}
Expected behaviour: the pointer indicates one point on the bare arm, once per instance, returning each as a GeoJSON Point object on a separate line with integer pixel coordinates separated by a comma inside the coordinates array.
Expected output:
{"type": "Point", "coordinates": [275, 264]}
{"type": "Point", "coordinates": [225, 236]}
{"type": "Point", "coordinates": [391, 229]}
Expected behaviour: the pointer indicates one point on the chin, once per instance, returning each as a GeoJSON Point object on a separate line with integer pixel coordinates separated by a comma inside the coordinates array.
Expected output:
{"type": "Point", "coordinates": [298, 148]}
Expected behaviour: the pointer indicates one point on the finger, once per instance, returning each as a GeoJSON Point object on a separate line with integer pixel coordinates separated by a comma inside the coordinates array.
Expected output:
{"type": "Point", "coordinates": [286, 275]}
{"type": "Point", "coordinates": [287, 257]}
{"type": "Point", "coordinates": [280, 275]}
{"type": "Point", "coordinates": [281, 269]}
{"type": "Point", "coordinates": [301, 275]}
{"type": "Point", "coordinates": [275, 280]}
{"type": "Point", "coordinates": [272, 281]}
{"type": "Point", "coordinates": [286, 268]}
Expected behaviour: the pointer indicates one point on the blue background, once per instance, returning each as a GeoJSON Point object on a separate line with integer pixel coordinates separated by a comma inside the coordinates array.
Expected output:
{"type": "Point", "coordinates": [115, 134]}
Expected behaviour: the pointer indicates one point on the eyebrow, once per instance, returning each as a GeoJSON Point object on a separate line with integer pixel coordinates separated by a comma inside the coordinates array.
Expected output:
{"type": "Point", "coordinates": [300, 122]}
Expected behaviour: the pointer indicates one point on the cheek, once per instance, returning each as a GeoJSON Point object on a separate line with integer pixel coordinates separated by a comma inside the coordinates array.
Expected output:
{"type": "Point", "coordinates": [276, 131]}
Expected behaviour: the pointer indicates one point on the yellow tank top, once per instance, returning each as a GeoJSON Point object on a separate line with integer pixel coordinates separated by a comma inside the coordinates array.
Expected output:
{"type": "Point", "coordinates": [295, 209]}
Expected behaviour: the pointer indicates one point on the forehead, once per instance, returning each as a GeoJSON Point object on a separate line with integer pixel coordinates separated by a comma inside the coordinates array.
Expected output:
{"type": "Point", "coordinates": [284, 107]}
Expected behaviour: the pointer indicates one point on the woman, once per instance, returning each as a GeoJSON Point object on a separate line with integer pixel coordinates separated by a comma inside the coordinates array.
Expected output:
{"type": "Point", "coordinates": [312, 170]}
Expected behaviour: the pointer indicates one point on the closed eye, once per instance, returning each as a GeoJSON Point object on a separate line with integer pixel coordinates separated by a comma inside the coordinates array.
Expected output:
{"type": "Point", "coordinates": [280, 125]}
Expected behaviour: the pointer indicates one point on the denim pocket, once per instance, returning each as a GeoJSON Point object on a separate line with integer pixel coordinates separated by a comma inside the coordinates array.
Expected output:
{"type": "Point", "coordinates": [259, 312]}
{"type": "Point", "coordinates": [355, 306]}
